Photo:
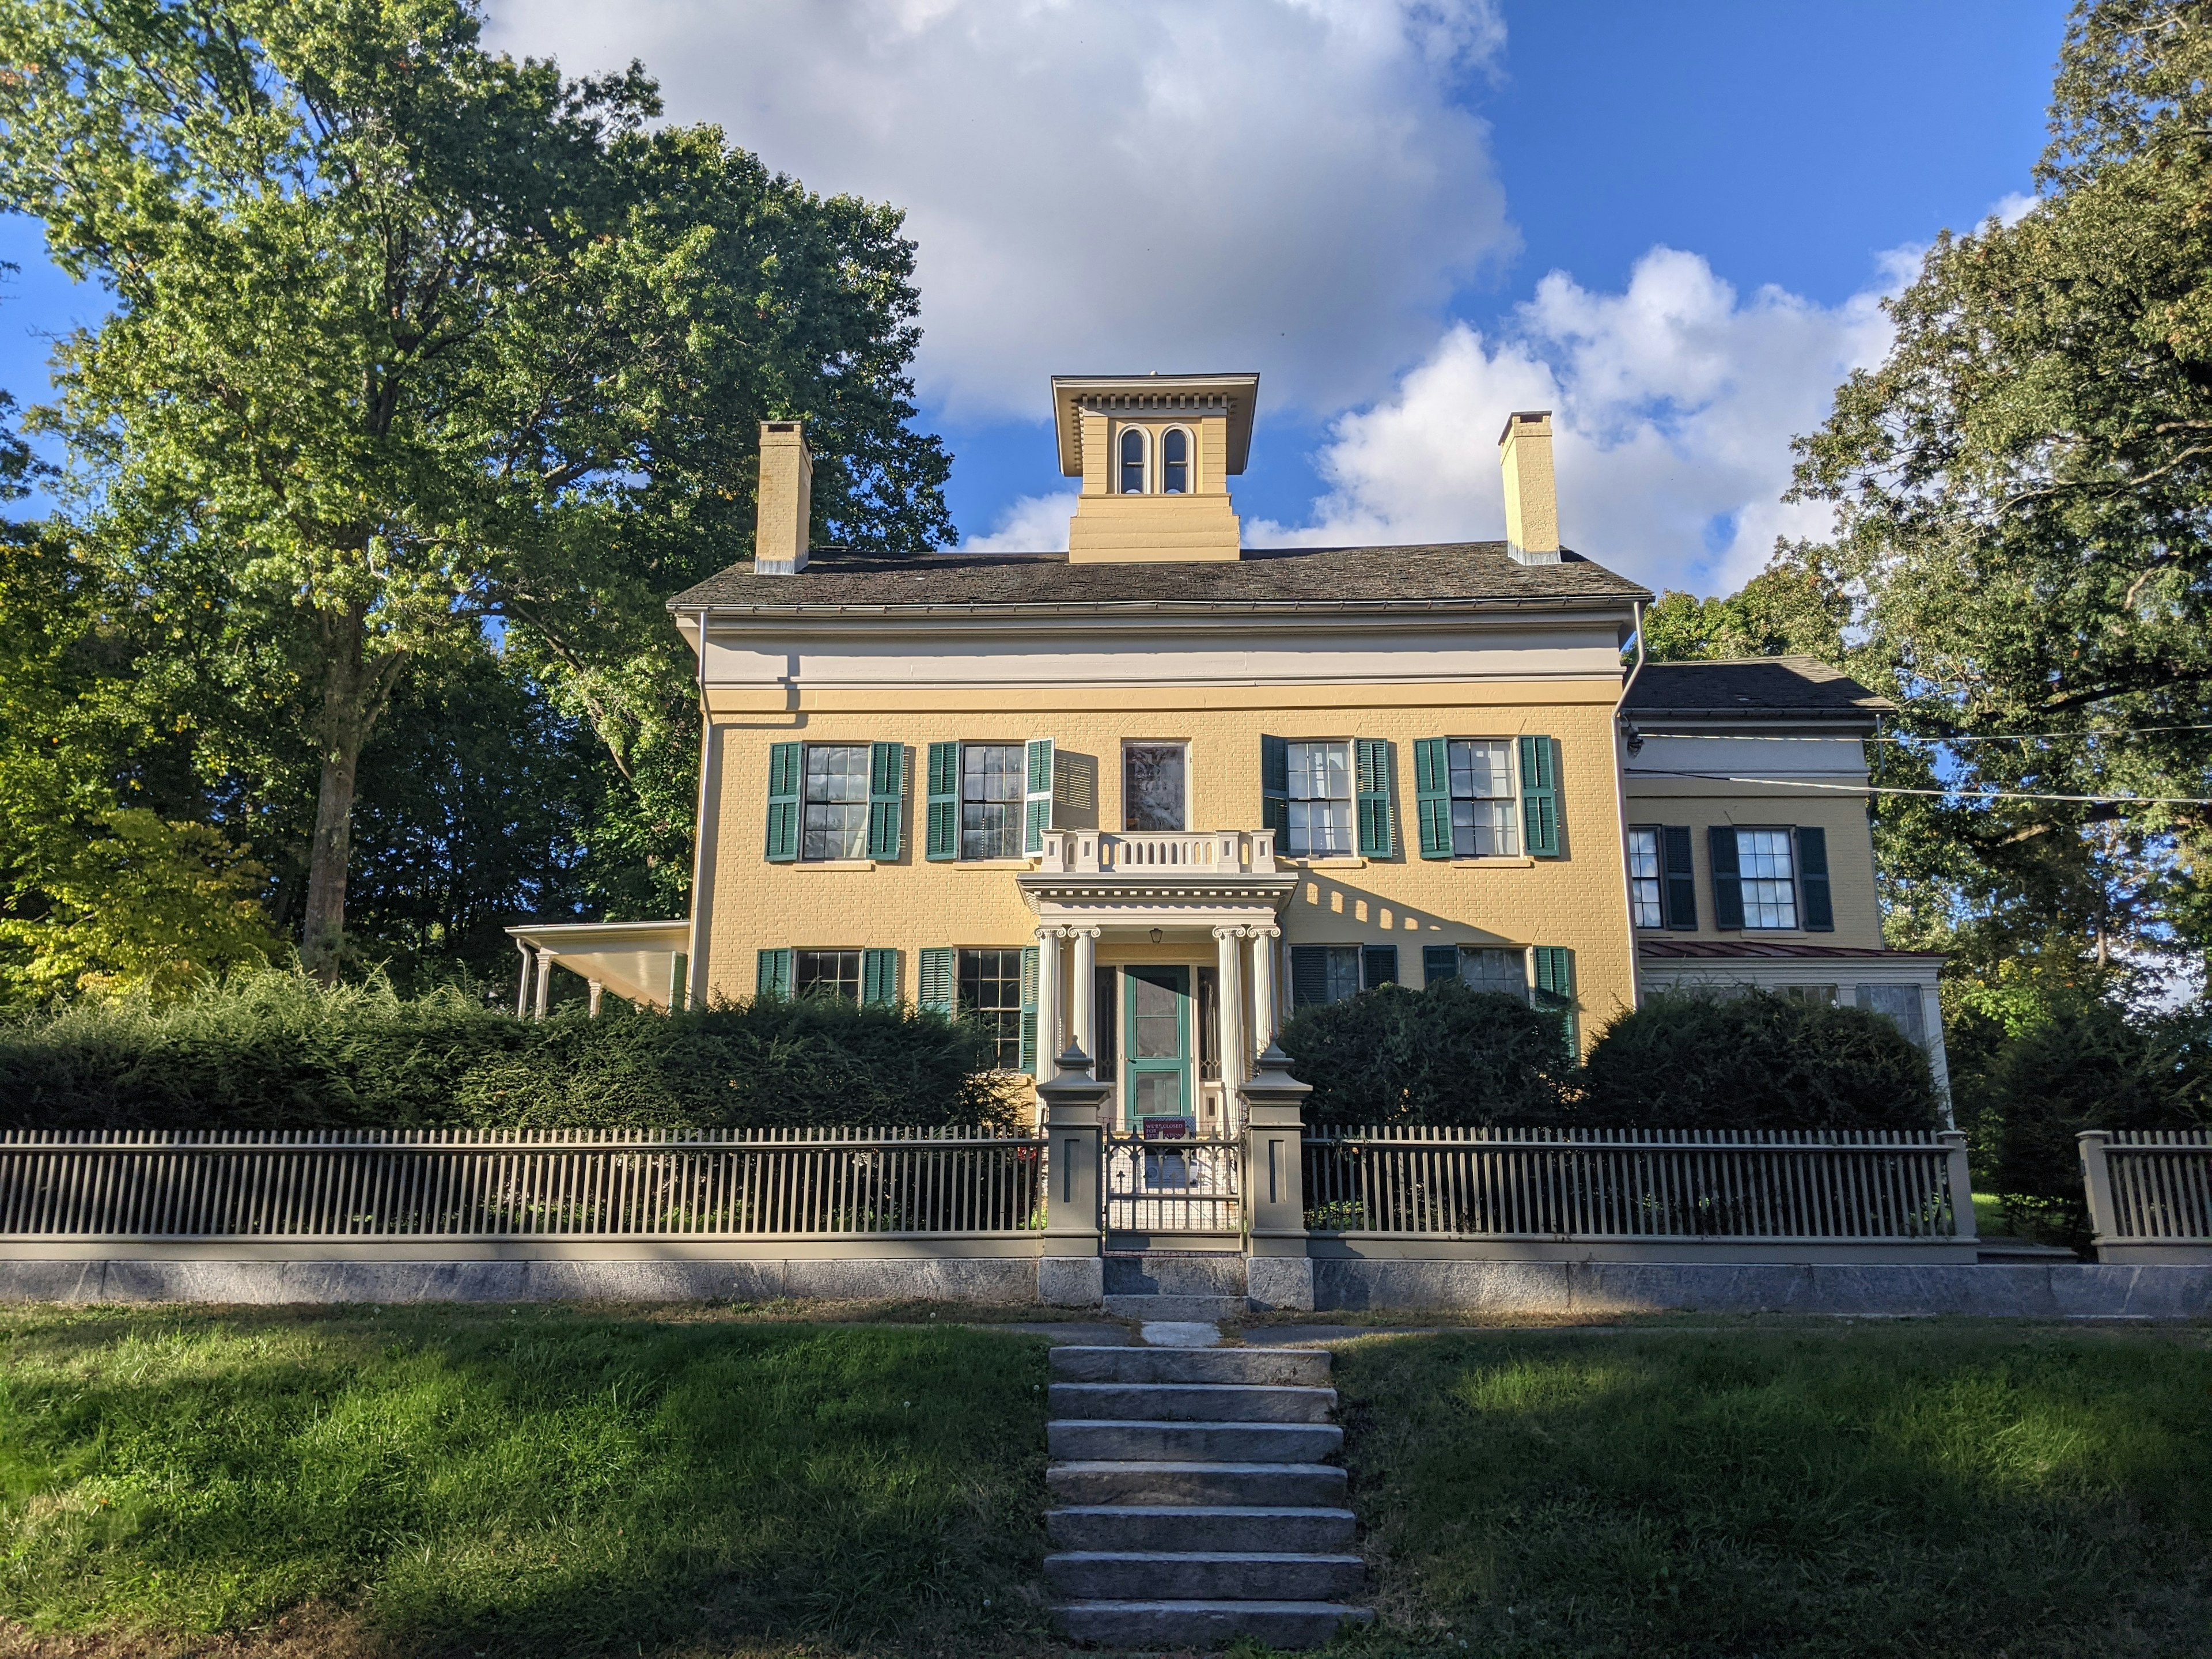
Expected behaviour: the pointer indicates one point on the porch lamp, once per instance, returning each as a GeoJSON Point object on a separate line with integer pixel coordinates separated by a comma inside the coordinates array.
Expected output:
{"type": "Point", "coordinates": [1157, 935]}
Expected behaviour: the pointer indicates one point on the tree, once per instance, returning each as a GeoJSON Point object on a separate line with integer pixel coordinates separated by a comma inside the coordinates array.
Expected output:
{"type": "Point", "coordinates": [1793, 607]}
{"type": "Point", "coordinates": [409, 336]}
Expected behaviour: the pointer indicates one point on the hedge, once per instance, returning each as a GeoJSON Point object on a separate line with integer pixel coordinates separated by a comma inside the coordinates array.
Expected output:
{"type": "Point", "coordinates": [1444, 1055]}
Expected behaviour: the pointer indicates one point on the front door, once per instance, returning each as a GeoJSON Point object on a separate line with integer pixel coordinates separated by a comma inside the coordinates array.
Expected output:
{"type": "Point", "coordinates": [1156, 1046]}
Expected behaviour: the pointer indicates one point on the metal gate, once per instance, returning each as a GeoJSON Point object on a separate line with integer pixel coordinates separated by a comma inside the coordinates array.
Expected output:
{"type": "Point", "coordinates": [1172, 1185]}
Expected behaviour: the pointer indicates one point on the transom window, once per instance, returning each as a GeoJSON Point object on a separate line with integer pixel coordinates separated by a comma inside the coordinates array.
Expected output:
{"type": "Point", "coordinates": [991, 993]}
{"type": "Point", "coordinates": [1770, 878]}
{"type": "Point", "coordinates": [1643, 878]}
{"type": "Point", "coordinates": [1483, 823]}
{"type": "Point", "coordinates": [1153, 782]}
{"type": "Point", "coordinates": [1319, 798]}
{"type": "Point", "coordinates": [826, 973]}
{"type": "Point", "coordinates": [1174, 462]}
{"type": "Point", "coordinates": [1132, 461]}
{"type": "Point", "coordinates": [836, 810]}
{"type": "Point", "coordinates": [991, 775]}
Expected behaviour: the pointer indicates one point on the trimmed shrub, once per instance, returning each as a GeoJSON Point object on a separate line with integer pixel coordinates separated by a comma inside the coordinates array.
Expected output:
{"type": "Point", "coordinates": [277, 1051]}
{"type": "Point", "coordinates": [1756, 1060]}
{"type": "Point", "coordinates": [1442, 1055]}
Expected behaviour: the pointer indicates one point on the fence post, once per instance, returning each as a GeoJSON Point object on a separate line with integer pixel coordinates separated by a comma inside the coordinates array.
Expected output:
{"type": "Point", "coordinates": [1278, 1272]}
{"type": "Point", "coordinates": [1964, 1223]}
{"type": "Point", "coordinates": [1071, 1107]}
{"type": "Point", "coordinates": [2097, 1179]}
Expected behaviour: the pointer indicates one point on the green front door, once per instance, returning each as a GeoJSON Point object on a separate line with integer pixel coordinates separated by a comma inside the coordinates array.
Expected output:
{"type": "Point", "coordinates": [1156, 1039]}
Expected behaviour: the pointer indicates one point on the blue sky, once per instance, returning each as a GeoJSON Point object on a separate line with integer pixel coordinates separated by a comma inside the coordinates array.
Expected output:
{"type": "Point", "coordinates": [1671, 222]}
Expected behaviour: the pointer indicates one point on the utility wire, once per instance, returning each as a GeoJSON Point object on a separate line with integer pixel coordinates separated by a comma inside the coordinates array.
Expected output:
{"type": "Point", "coordinates": [1893, 789]}
{"type": "Point", "coordinates": [1998, 737]}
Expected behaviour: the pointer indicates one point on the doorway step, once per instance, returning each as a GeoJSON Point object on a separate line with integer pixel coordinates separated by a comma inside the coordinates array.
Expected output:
{"type": "Point", "coordinates": [1169, 1285]}
{"type": "Point", "coordinates": [1193, 1506]}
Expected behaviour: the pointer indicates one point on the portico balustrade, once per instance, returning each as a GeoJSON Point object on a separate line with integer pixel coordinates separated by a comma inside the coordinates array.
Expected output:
{"type": "Point", "coordinates": [1202, 852]}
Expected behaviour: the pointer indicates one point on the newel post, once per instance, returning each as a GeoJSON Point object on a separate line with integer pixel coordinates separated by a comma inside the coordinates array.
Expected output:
{"type": "Point", "coordinates": [1964, 1225]}
{"type": "Point", "coordinates": [1071, 1113]}
{"type": "Point", "coordinates": [2097, 1178]}
{"type": "Point", "coordinates": [1278, 1273]}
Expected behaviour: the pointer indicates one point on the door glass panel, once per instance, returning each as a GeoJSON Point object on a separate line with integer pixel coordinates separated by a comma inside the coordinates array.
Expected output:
{"type": "Point", "coordinates": [1160, 1094]}
{"type": "Point", "coordinates": [1158, 1021]}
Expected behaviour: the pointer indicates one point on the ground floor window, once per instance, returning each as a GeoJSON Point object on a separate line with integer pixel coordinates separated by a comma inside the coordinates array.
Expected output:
{"type": "Point", "coordinates": [991, 991]}
{"type": "Point", "coordinates": [1485, 967]}
{"type": "Point", "coordinates": [1825, 995]}
{"type": "Point", "coordinates": [826, 973]}
{"type": "Point", "coordinates": [1900, 1003]}
{"type": "Point", "coordinates": [1323, 974]}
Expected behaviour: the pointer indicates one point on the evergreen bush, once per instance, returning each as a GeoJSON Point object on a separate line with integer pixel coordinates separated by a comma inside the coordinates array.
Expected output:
{"type": "Point", "coordinates": [1445, 1055]}
{"type": "Point", "coordinates": [277, 1051]}
{"type": "Point", "coordinates": [1756, 1060]}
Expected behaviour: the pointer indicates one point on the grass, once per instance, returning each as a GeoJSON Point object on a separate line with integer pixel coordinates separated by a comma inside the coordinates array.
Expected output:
{"type": "Point", "coordinates": [524, 1481]}
{"type": "Point", "coordinates": [1923, 1490]}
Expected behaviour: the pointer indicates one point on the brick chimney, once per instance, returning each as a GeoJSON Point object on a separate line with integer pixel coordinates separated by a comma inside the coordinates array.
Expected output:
{"type": "Point", "coordinates": [1532, 500]}
{"type": "Point", "coordinates": [785, 499]}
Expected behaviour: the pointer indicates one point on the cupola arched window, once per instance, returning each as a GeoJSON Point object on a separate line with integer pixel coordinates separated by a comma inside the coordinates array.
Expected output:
{"type": "Point", "coordinates": [1174, 462]}
{"type": "Point", "coordinates": [1132, 461]}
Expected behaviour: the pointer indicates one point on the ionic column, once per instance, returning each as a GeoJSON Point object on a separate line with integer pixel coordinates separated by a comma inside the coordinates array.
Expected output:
{"type": "Point", "coordinates": [1048, 1002]}
{"type": "Point", "coordinates": [1226, 942]}
{"type": "Point", "coordinates": [1081, 1014]}
{"type": "Point", "coordinates": [1263, 987]}
{"type": "Point", "coordinates": [596, 988]}
{"type": "Point", "coordinates": [544, 972]}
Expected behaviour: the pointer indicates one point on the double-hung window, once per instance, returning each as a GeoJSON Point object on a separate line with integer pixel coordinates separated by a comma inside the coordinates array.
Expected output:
{"type": "Point", "coordinates": [1152, 784]}
{"type": "Point", "coordinates": [991, 778]}
{"type": "Point", "coordinates": [1646, 880]}
{"type": "Point", "coordinates": [1320, 799]}
{"type": "Point", "coordinates": [836, 822]}
{"type": "Point", "coordinates": [991, 993]}
{"type": "Point", "coordinates": [1768, 874]}
{"type": "Point", "coordinates": [1482, 804]}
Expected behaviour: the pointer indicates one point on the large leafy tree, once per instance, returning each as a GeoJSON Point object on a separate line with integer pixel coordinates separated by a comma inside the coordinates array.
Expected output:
{"type": "Point", "coordinates": [408, 337]}
{"type": "Point", "coordinates": [2024, 488]}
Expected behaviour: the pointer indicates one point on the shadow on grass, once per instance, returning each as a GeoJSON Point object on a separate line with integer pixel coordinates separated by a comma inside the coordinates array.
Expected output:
{"type": "Point", "coordinates": [537, 1481]}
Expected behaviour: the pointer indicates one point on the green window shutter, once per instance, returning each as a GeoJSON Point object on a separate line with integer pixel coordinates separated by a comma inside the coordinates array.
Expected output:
{"type": "Point", "coordinates": [787, 766]}
{"type": "Point", "coordinates": [1813, 880]}
{"type": "Point", "coordinates": [939, 977]}
{"type": "Point", "coordinates": [1309, 974]}
{"type": "Point", "coordinates": [1030, 1009]}
{"type": "Point", "coordinates": [1037, 795]}
{"type": "Point", "coordinates": [1275, 791]}
{"type": "Point", "coordinates": [1439, 963]}
{"type": "Point", "coordinates": [1432, 796]}
{"type": "Point", "coordinates": [773, 974]}
{"type": "Point", "coordinates": [880, 976]}
{"type": "Point", "coordinates": [1679, 902]}
{"type": "Point", "coordinates": [1555, 992]}
{"type": "Point", "coordinates": [1378, 836]}
{"type": "Point", "coordinates": [887, 798]}
{"type": "Point", "coordinates": [1728, 877]}
{"type": "Point", "coordinates": [1378, 965]}
{"type": "Point", "coordinates": [944, 807]}
{"type": "Point", "coordinates": [1539, 798]}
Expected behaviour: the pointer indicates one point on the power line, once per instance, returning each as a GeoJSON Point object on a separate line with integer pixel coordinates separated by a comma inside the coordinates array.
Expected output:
{"type": "Point", "coordinates": [1892, 789]}
{"type": "Point", "coordinates": [1995, 737]}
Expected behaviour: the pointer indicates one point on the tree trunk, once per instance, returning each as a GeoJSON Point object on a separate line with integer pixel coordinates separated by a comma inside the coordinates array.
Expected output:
{"type": "Point", "coordinates": [353, 691]}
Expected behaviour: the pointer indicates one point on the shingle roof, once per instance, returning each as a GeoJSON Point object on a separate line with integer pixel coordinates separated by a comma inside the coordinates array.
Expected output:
{"type": "Point", "coordinates": [1451, 573]}
{"type": "Point", "coordinates": [1749, 686]}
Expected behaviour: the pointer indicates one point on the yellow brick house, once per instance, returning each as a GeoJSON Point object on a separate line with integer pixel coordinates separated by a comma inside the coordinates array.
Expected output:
{"type": "Point", "coordinates": [1150, 795]}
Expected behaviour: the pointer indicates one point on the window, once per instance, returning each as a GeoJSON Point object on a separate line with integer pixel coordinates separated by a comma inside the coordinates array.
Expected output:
{"type": "Point", "coordinates": [1320, 799]}
{"type": "Point", "coordinates": [1770, 878]}
{"type": "Point", "coordinates": [1823, 995]}
{"type": "Point", "coordinates": [991, 800]}
{"type": "Point", "coordinates": [1645, 893]}
{"type": "Point", "coordinates": [1324, 973]}
{"type": "Point", "coordinates": [1487, 968]}
{"type": "Point", "coordinates": [1152, 785]}
{"type": "Point", "coordinates": [836, 810]}
{"type": "Point", "coordinates": [1174, 462]}
{"type": "Point", "coordinates": [1482, 826]}
{"type": "Point", "coordinates": [990, 990]}
{"type": "Point", "coordinates": [826, 973]}
{"type": "Point", "coordinates": [1132, 461]}
{"type": "Point", "coordinates": [1900, 1003]}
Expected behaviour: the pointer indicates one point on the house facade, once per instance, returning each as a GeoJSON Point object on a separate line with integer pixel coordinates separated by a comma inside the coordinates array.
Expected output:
{"type": "Point", "coordinates": [1151, 794]}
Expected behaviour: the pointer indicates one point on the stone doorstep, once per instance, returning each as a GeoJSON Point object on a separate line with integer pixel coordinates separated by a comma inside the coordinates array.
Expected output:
{"type": "Point", "coordinates": [1153, 1309]}
{"type": "Point", "coordinates": [1305, 1368]}
{"type": "Point", "coordinates": [1203, 1575]}
{"type": "Point", "coordinates": [1146, 1440]}
{"type": "Point", "coordinates": [1195, 1402]}
{"type": "Point", "coordinates": [1102, 1481]}
{"type": "Point", "coordinates": [1207, 1623]}
{"type": "Point", "coordinates": [1214, 1527]}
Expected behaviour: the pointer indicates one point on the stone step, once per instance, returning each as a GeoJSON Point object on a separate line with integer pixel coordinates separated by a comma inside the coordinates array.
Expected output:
{"type": "Point", "coordinates": [1192, 1402]}
{"type": "Point", "coordinates": [1176, 1275]}
{"type": "Point", "coordinates": [1211, 1310]}
{"type": "Point", "coordinates": [1207, 1526]}
{"type": "Point", "coordinates": [1146, 1440]}
{"type": "Point", "coordinates": [1202, 1575]}
{"type": "Point", "coordinates": [1296, 1367]}
{"type": "Point", "coordinates": [1206, 1624]}
{"type": "Point", "coordinates": [1169, 1482]}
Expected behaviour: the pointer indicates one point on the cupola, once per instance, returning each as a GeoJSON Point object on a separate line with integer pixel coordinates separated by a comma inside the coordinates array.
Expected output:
{"type": "Point", "coordinates": [1155, 452]}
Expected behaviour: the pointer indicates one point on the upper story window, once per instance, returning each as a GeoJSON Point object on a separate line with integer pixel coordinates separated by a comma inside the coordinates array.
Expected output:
{"type": "Point", "coordinates": [1769, 873]}
{"type": "Point", "coordinates": [1320, 799]}
{"type": "Point", "coordinates": [1153, 776]}
{"type": "Point", "coordinates": [1645, 892]}
{"type": "Point", "coordinates": [1482, 815]}
{"type": "Point", "coordinates": [1174, 462]}
{"type": "Point", "coordinates": [835, 823]}
{"type": "Point", "coordinates": [991, 800]}
{"type": "Point", "coordinates": [1132, 461]}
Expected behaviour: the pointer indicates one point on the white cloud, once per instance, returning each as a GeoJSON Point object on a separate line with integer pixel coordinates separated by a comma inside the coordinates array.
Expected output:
{"type": "Point", "coordinates": [1675, 402]}
{"type": "Point", "coordinates": [1285, 185]}
{"type": "Point", "coordinates": [1030, 523]}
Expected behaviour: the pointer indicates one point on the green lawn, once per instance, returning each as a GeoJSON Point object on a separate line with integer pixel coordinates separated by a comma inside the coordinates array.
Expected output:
{"type": "Point", "coordinates": [530, 1481]}
{"type": "Point", "coordinates": [1922, 1490]}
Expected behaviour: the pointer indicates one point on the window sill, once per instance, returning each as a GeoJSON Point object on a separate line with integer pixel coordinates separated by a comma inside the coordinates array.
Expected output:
{"type": "Point", "coordinates": [836, 864]}
{"type": "Point", "coordinates": [1332, 863]}
{"type": "Point", "coordinates": [995, 864]}
{"type": "Point", "coordinates": [1523, 862]}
